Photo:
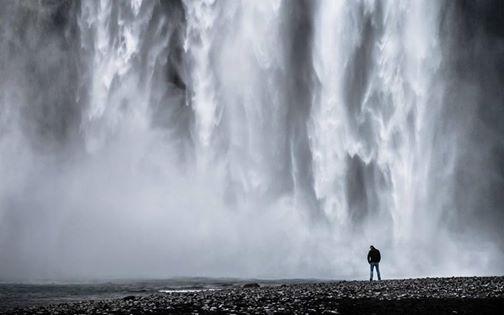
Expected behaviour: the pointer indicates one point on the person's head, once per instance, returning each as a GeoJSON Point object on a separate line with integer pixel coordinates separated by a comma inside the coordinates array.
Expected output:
{"type": "Point", "coordinates": [371, 247]}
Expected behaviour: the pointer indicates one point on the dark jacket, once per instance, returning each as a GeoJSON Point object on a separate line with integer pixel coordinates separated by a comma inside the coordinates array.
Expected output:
{"type": "Point", "coordinates": [373, 256]}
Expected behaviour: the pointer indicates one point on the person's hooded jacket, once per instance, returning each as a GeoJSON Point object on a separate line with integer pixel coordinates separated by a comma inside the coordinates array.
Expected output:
{"type": "Point", "coordinates": [374, 255]}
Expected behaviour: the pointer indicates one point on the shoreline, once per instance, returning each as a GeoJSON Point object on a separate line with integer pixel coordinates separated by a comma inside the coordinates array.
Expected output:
{"type": "Point", "coordinates": [455, 295]}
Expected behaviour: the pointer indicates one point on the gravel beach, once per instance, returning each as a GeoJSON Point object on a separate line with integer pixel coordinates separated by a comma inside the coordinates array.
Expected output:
{"type": "Point", "coordinates": [471, 295]}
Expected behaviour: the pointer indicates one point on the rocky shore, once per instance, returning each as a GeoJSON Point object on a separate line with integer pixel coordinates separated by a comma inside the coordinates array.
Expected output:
{"type": "Point", "coordinates": [481, 295]}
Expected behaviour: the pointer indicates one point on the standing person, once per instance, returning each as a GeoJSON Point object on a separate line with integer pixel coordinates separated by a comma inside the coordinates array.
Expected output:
{"type": "Point", "coordinates": [373, 258]}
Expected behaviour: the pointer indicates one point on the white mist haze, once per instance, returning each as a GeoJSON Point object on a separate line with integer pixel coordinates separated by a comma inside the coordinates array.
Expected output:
{"type": "Point", "coordinates": [274, 139]}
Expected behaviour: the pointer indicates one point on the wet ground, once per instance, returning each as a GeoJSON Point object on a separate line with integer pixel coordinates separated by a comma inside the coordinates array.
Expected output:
{"type": "Point", "coordinates": [472, 295]}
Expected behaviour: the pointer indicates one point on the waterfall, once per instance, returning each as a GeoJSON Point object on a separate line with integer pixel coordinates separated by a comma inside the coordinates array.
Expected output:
{"type": "Point", "coordinates": [249, 138]}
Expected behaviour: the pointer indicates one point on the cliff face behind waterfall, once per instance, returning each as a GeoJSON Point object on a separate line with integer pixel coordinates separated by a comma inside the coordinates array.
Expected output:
{"type": "Point", "coordinates": [250, 138]}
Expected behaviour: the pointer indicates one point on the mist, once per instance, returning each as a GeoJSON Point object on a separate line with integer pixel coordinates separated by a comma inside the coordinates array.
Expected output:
{"type": "Point", "coordinates": [278, 139]}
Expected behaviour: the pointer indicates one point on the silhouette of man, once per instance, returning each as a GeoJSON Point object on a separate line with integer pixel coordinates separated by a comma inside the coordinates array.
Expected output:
{"type": "Point", "coordinates": [373, 258]}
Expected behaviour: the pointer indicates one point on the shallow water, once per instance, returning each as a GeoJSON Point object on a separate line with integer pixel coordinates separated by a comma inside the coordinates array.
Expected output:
{"type": "Point", "coordinates": [24, 295]}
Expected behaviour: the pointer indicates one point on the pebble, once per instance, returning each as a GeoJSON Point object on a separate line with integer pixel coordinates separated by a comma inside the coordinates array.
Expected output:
{"type": "Point", "coordinates": [430, 295]}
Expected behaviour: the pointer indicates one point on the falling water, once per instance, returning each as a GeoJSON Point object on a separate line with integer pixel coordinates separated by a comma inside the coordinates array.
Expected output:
{"type": "Point", "coordinates": [250, 138]}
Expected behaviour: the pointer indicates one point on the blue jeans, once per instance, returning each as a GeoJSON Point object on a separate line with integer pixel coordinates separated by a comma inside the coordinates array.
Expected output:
{"type": "Point", "coordinates": [377, 266]}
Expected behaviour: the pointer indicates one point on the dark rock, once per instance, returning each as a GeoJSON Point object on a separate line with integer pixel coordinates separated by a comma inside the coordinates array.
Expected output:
{"type": "Point", "coordinates": [412, 296]}
{"type": "Point", "coordinates": [129, 298]}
